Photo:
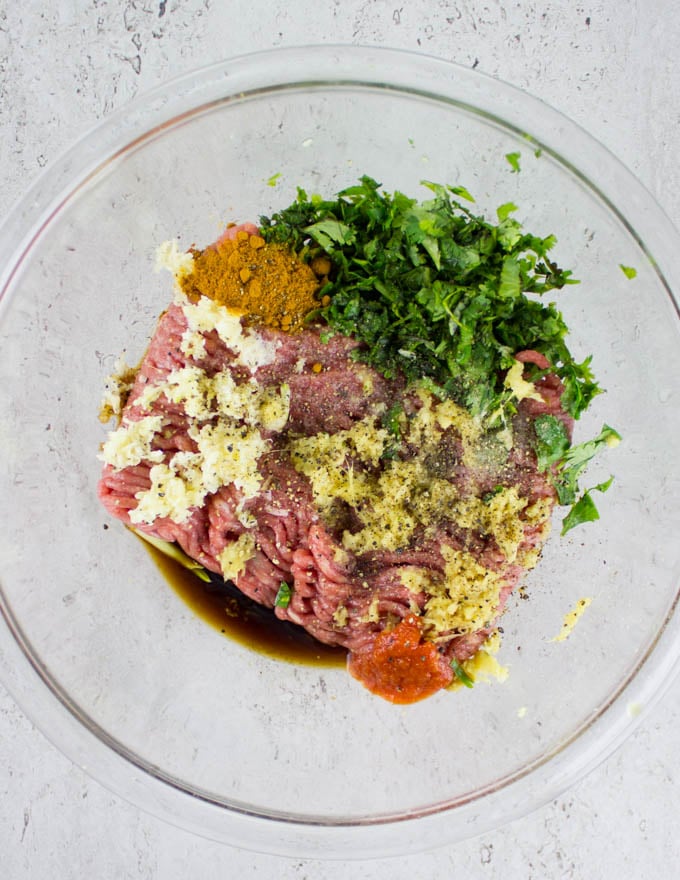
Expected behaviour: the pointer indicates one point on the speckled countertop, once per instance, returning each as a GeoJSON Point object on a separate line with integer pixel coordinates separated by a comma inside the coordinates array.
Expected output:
{"type": "Point", "coordinates": [612, 66]}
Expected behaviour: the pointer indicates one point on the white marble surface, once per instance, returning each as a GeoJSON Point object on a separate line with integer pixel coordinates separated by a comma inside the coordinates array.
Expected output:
{"type": "Point", "coordinates": [611, 65]}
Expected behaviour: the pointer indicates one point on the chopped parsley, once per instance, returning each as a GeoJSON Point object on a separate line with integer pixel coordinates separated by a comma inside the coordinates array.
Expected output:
{"type": "Point", "coordinates": [461, 674]}
{"type": "Point", "coordinates": [566, 465]}
{"type": "Point", "coordinates": [584, 510]}
{"type": "Point", "coordinates": [513, 161]}
{"type": "Point", "coordinates": [283, 595]}
{"type": "Point", "coordinates": [390, 419]}
{"type": "Point", "coordinates": [435, 291]}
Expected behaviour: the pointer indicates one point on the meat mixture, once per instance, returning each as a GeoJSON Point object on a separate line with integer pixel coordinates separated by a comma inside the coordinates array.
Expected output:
{"type": "Point", "coordinates": [365, 509]}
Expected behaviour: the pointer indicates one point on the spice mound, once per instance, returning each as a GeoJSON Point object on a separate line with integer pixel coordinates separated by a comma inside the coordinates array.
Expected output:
{"type": "Point", "coordinates": [355, 415]}
{"type": "Point", "coordinates": [268, 283]}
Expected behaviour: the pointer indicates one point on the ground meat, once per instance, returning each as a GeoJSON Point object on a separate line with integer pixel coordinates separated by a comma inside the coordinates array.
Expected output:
{"type": "Point", "coordinates": [340, 597]}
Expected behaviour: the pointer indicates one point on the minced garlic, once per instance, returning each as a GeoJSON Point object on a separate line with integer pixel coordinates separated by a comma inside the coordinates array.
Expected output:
{"type": "Point", "coordinates": [340, 616]}
{"type": "Point", "coordinates": [434, 416]}
{"type": "Point", "coordinates": [193, 389]}
{"type": "Point", "coordinates": [235, 555]}
{"type": "Point", "coordinates": [170, 257]}
{"type": "Point", "coordinates": [131, 443]}
{"type": "Point", "coordinates": [192, 344]}
{"type": "Point", "coordinates": [251, 348]}
{"type": "Point", "coordinates": [117, 386]}
{"type": "Point", "coordinates": [518, 385]}
{"type": "Point", "coordinates": [203, 397]}
{"type": "Point", "coordinates": [227, 453]}
{"type": "Point", "coordinates": [230, 454]}
{"type": "Point", "coordinates": [373, 613]}
{"type": "Point", "coordinates": [226, 421]}
{"type": "Point", "coordinates": [175, 488]}
{"type": "Point", "coordinates": [484, 667]}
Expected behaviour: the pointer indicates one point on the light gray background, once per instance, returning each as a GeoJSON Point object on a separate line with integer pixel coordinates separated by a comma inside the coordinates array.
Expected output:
{"type": "Point", "coordinates": [614, 67]}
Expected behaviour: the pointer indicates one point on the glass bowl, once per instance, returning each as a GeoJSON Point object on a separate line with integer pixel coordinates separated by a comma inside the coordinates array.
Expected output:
{"type": "Point", "coordinates": [107, 660]}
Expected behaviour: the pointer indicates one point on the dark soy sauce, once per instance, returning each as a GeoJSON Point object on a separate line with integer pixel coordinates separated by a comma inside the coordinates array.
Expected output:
{"type": "Point", "coordinates": [220, 604]}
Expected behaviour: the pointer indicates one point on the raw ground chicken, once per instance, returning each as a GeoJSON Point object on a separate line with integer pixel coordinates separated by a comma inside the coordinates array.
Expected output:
{"type": "Point", "coordinates": [445, 567]}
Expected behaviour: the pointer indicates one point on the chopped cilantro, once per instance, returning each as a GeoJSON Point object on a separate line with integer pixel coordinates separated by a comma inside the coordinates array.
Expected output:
{"type": "Point", "coordinates": [567, 464]}
{"type": "Point", "coordinates": [283, 595]}
{"type": "Point", "coordinates": [434, 291]}
{"type": "Point", "coordinates": [462, 192]}
{"type": "Point", "coordinates": [552, 441]}
{"type": "Point", "coordinates": [513, 161]}
{"type": "Point", "coordinates": [461, 674]}
{"type": "Point", "coordinates": [390, 419]}
{"type": "Point", "coordinates": [628, 271]}
{"type": "Point", "coordinates": [504, 211]}
{"type": "Point", "coordinates": [328, 233]}
{"type": "Point", "coordinates": [491, 494]}
{"type": "Point", "coordinates": [584, 510]}
{"type": "Point", "coordinates": [576, 458]}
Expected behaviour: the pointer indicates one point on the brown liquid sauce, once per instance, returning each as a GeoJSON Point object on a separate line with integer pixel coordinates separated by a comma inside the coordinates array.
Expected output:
{"type": "Point", "coordinates": [226, 609]}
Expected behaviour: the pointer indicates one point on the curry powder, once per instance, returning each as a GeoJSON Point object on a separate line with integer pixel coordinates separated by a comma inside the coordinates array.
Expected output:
{"type": "Point", "coordinates": [266, 282]}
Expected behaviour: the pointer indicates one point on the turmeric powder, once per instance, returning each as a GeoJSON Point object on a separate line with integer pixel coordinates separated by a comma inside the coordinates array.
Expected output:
{"type": "Point", "coordinates": [267, 282]}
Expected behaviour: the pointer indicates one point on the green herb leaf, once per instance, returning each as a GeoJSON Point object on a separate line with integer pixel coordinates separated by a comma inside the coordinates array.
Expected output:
{"type": "Point", "coordinates": [434, 292]}
{"type": "Point", "coordinates": [329, 233]}
{"type": "Point", "coordinates": [552, 441]}
{"type": "Point", "coordinates": [283, 595]}
{"type": "Point", "coordinates": [577, 457]}
{"type": "Point", "coordinates": [509, 287]}
{"type": "Point", "coordinates": [274, 179]}
{"type": "Point", "coordinates": [462, 193]}
{"type": "Point", "coordinates": [504, 211]}
{"type": "Point", "coordinates": [568, 463]}
{"type": "Point", "coordinates": [575, 460]}
{"type": "Point", "coordinates": [513, 161]}
{"type": "Point", "coordinates": [584, 510]}
{"type": "Point", "coordinates": [390, 419]}
{"type": "Point", "coordinates": [628, 271]}
{"type": "Point", "coordinates": [461, 674]}
{"type": "Point", "coordinates": [602, 487]}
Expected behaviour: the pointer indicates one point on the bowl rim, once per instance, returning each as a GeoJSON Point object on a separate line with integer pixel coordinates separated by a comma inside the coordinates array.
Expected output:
{"type": "Point", "coordinates": [335, 65]}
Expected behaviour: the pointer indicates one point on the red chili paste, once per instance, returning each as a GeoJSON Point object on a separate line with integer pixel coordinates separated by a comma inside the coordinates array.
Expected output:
{"type": "Point", "coordinates": [399, 666]}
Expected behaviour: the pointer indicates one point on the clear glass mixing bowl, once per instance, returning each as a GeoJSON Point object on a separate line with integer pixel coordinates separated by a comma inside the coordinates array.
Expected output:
{"type": "Point", "coordinates": [105, 658]}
